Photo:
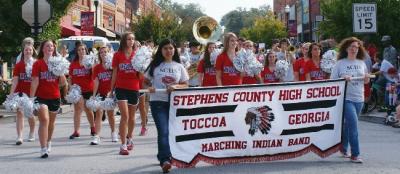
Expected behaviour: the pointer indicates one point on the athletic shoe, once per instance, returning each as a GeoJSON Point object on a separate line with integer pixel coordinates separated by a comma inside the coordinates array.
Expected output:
{"type": "Point", "coordinates": [344, 154]}
{"type": "Point", "coordinates": [93, 131]}
{"type": "Point", "coordinates": [123, 150]}
{"type": "Point", "coordinates": [114, 137]}
{"type": "Point", "coordinates": [49, 146]}
{"type": "Point", "coordinates": [143, 131]}
{"type": "Point", "coordinates": [96, 140]}
{"type": "Point", "coordinates": [355, 159]}
{"type": "Point", "coordinates": [129, 143]}
{"type": "Point", "coordinates": [44, 153]}
{"type": "Point", "coordinates": [74, 135]}
{"type": "Point", "coordinates": [31, 137]}
{"type": "Point", "coordinates": [166, 167]}
{"type": "Point", "coordinates": [19, 141]}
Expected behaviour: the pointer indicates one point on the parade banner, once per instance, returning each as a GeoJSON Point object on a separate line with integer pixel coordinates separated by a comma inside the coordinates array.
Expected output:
{"type": "Point", "coordinates": [87, 23]}
{"type": "Point", "coordinates": [256, 122]}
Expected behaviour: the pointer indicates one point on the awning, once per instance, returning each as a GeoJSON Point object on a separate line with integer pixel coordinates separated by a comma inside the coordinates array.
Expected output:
{"type": "Point", "coordinates": [100, 31]}
{"type": "Point", "coordinates": [67, 30]}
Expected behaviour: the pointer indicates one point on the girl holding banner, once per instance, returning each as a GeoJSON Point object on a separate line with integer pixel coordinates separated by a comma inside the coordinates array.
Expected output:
{"type": "Point", "coordinates": [226, 71]}
{"type": "Point", "coordinates": [206, 69]}
{"type": "Point", "coordinates": [164, 72]}
{"type": "Point", "coordinates": [350, 64]}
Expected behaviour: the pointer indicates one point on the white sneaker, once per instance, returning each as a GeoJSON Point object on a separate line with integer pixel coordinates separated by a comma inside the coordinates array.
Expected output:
{"type": "Point", "coordinates": [44, 153]}
{"type": "Point", "coordinates": [31, 137]}
{"type": "Point", "coordinates": [96, 140]}
{"type": "Point", "coordinates": [19, 141]}
{"type": "Point", "coordinates": [49, 146]}
{"type": "Point", "coordinates": [114, 137]}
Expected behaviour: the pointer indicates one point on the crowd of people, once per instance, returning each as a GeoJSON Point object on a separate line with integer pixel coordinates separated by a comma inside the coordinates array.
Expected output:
{"type": "Point", "coordinates": [168, 70]}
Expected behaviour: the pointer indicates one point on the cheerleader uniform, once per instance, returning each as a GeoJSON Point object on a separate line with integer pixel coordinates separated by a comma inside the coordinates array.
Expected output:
{"type": "Point", "coordinates": [209, 74]}
{"type": "Point", "coordinates": [230, 76]}
{"type": "Point", "coordinates": [82, 77]}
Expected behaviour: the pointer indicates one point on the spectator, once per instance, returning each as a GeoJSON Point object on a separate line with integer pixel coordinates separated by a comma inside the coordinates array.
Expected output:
{"type": "Point", "coordinates": [389, 52]}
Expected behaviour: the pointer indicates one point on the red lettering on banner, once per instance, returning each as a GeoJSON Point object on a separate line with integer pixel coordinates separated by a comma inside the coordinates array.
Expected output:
{"type": "Point", "coordinates": [320, 92]}
{"type": "Point", "coordinates": [267, 143]}
{"type": "Point", "coordinates": [299, 141]}
{"type": "Point", "coordinates": [312, 117]}
{"type": "Point", "coordinates": [223, 145]}
{"type": "Point", "coordinates": [292, 94]}
{"type": "Point", "coordinates": [201, 123]}
{"type": "Point", "coordinates": [260, 96]}
{"type": "Point", "coordinates": [190, 100]}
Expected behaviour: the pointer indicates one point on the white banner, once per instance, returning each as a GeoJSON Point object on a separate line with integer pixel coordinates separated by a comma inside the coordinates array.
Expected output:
{"type": "Point", "coordinates": [255, 123]}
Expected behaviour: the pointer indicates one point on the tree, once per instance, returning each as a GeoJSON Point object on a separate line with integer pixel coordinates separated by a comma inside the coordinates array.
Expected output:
{"type": "Point", "coordinates": [265, 29]}
{"type": "Point", "coordinates": [339, 24]}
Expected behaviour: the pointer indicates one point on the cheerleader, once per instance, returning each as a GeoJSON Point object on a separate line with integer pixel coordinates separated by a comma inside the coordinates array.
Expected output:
{"type": "Point", "coordinates": [247, 79]}
{"type": "Point", "coordinates": [268, 74]}
{"type": "Point", "coordinates": [165, 65]}
{"type": "Point", "coordinates": [299, 65]}
{"type": "Point", "coordinates": [45, 87]}
{"type": "Point", "coordinates": [226, 71]}
{"type": "Point", "coordinates": [205, 69]}
{"type": "Point", "coordinates": [82, 77]}
{"type": "Point", "coordinates": [125, 80]}
{"type": "Point", "coordinates": [21, 84]}
{"type": "Point", "coordinates": [312, 69]}
{"type": "Point", "coordinates": [102, 86]}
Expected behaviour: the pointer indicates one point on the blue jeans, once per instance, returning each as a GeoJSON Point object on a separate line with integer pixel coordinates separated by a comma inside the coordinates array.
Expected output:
{"type": "Point", "coordinates": [160, 112]}
{"type": "Point", "coordinates": [350, 130]}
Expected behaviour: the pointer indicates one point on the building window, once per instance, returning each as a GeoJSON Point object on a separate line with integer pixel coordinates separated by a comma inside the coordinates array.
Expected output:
{"type": "Point", "coordinates": [110, 21]}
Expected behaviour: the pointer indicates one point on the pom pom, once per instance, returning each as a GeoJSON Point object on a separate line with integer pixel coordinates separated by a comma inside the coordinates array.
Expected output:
{"type": "Point", "coordinates": [11, 103]}
{"type": "Point", "coordinates": [282, 67]}
{"type": "Point", "coordinates": [328, 61]}
{"type": "Point", "coordinates": [108, 61]}
{"type": "Point", "coordinates": [93, 103]}
{"type": "Point", "coordinates": [28, 67]}
{"type": "Point", "coordinates": [240, 60]}
{"type": "Point", "coordinates": [253, 67]}
{"type": "Point", "coordinates": [27, 105]}
{"type": "Point", "coordinates": [142, 59]}
{"type": "Point", "coordinates": [214, 55]}
{"type": "Point", "coordinates": [74, 94]}
{"type": "Point", "coordinates": [58, 65]}
{"type": "Point", "coordinates": [185, 61]}
{"type": "Point", "coordinates": [88, 61]}
{"type": "Point", "coordinates": [108, 104]}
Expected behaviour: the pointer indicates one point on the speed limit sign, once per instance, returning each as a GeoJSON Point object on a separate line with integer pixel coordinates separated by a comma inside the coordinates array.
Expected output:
{"type": "Point", "coordinates": [364, 18]}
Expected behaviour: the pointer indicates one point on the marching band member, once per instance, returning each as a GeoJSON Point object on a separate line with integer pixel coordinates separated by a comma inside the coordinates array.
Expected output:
{"type": "Point", "coordinates": [249, 45]}
{"type": "Point", "coordinates": [350, 64]}
{"type": "Point", "coordinates": [125, 82]}
{"type": "Point", "coordinates": [194, 55]}
{"type": "Point", "coordinates": [226, 71]}
{"type": "Point", "coordinates": [164, 72]}
{"type": "Point", "coordinates": [268, 74]}
{"type": "Point", "coordinates": [45, 87]}
{"type": "Point", "coordinates": [299, 65]}
{"type": "Point", "coordinates": [21, 84]}
{"type": "Point", "coordinates": [81, 76]}
{"type": "Point", "coordinates": [102, 86]}
{"type": "Point", "coordinates": [206, 69]}
{"type": "Point", "coordinates": [312, 69]}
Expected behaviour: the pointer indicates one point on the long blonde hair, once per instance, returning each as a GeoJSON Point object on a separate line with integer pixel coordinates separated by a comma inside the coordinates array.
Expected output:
{"type": "Point", "coordinates": [227, 37]}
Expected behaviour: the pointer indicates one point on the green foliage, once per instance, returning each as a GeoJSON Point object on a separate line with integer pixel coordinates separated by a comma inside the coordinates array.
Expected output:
{"type": "Point", "coordinates": [339, 24]}
{"type": "Point", "coordinates": [265, 29]}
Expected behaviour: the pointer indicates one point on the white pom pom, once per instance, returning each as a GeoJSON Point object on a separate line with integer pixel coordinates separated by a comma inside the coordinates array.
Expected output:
{"type": "Point", "coordinates": [58, 65]}
{"type": "Point", "coordinates": [27, 105]}
{"type": "Point", "coordinates": [240, 60]}
{"type": "Point", "coordinates": [142, 59]}
{"type": "Point", "coordinates": [88, 61]}
{"type": "Point", "coordinates": [28, 67]}
{"type": "Point", "coordinates": [108, 104]}
{"type": "Point", "coordinates": [74, 94]}
{"type": "Point", "coordinates": [185, 60]}
{"type": "Point", "coordinates": [281, 70]}
{"type": "Point", "coordinates": [214, 55]}
{"type": "Point", "coordinates": [253, 67]}
{"type": "Point", "coordinates": [93, 103]}
{"type": "Point", "coordinates": [108, 61]}
{"type": "Point", "coordinates": [11, 103]}
{"type": "Point", "coordinates": [328, 61]}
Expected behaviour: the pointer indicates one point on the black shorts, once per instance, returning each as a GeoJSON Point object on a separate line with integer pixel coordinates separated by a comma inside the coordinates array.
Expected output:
{"type": "Point", "coordinates": [52, 104]}
{"type": "Point", "coordinates": [127, 95]}
{"type": "Point", "coordinates": [86, 95]}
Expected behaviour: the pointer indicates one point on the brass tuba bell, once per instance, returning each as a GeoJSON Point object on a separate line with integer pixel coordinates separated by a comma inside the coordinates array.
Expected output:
{"type": "Point", "coordinates": [206, 29]}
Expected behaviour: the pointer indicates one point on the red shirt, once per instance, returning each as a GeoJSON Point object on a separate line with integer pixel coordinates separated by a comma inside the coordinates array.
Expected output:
{"type": "Point", "coordinates": [249, 80]}
{"type": "Point", "coordinates": [209, 77]}
{"type": "Point", "coordinates": [230, 76]}
{"type": "Point", "coordinates": [315, 72]}
{"type": "Point", "coordinates": [48, 82]}
{"type": "Point", "coordinates": [127, 77]}
{"type": "Point", "coordinates": [81, 76]}
{"type": "Point", "coordinates": [104, 77]}
{"type": "Point", "coordinates": [298, 66]}
{"type": "Point", "coordinates": [268, 76]}
{"type": "Point", "coordinates": [24, 82]}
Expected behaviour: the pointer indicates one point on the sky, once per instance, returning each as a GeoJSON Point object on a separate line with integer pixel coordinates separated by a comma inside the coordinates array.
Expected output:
{"type": "Point", "coordinates": [218, 8]}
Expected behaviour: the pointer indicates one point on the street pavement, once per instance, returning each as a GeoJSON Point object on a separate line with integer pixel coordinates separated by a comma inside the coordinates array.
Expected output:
{"type": "Point", "coordinates": [380, 150]}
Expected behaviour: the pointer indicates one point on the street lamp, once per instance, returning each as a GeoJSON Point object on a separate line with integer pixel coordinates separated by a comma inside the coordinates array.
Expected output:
{"type": "Point", "coordinates": [96, 4]}
{"type": "Point", "coordinates": [287, 10]}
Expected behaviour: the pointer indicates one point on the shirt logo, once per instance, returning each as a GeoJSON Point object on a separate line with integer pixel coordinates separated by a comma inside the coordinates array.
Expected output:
{"type": "Point", "coordinates": [167, 80]}
{"type": "Point", "coordinates": [81, 72]}
{"type": "Point", "coordinates": [24, 77]}
{"type": "Point", "coordinates": [104, 76]}
{"type": "Point", "coordinates": [127, 67]}
{"type": "Point", "coordinates": [48, 76]}
{"type": "Point", "coordinates": [230, 70]}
